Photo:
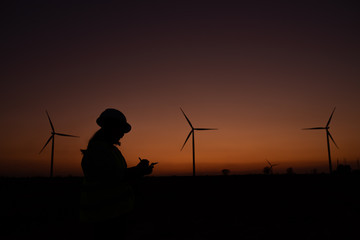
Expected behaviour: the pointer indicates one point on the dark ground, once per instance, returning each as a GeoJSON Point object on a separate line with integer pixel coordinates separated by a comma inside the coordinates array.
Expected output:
{"type": "Point", "coordinates": [209, 207]}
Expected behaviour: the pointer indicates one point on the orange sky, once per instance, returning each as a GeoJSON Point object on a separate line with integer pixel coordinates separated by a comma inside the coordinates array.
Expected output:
{"type": "Point", "coordinates": [257, 72]}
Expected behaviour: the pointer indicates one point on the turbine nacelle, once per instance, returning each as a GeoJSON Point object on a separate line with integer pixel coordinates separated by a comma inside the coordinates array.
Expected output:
{"type": "Point", "coordinates": [51, 138]}
{"type": "Point", "coordinates": [192, 132]}
{"type": "Point", "coordinates": [328, 135]}
{"type": "Point", "coordinates": [271, 165]}
{"type": "Point", "coordinates": [193, 129]}
{"type": "Point", "coordinates": [327, 127]}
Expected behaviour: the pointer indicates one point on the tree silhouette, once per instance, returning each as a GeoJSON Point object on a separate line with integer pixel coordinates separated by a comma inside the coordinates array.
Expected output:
{"type": "Point", "coordinates": [343, 169]}
{"type": "Point", "coordinates": [225, 172]}
{"type": "Point", "coordinates": [290, 171]}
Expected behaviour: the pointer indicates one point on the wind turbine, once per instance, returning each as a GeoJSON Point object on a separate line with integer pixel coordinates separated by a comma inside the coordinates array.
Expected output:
{"type": "Point", "coordinates": [52, 138]}
{"type": "Point", "coordinates": [327, 137]}
{"type": "Point", "coordinates": [271, 166]}
{"type": "Point", "coordinates": [192, 132]}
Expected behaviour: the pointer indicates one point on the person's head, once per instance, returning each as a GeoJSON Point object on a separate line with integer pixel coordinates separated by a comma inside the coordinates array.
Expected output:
{"type": "Point", "coordinates": [114, 124]}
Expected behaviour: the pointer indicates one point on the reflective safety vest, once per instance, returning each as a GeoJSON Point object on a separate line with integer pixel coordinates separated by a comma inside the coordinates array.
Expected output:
{"type": "Point", "coordinates": [105, 193]}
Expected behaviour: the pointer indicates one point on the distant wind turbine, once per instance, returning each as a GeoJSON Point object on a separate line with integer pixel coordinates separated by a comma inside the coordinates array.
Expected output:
{"type": "Point", "coordinates": [192, 132]}
{"type": "Point", "coordinates": [271, 166]}
{"type": "Point", "coordinates": [327, 137]}
{"type": "Point", "coordinates": [52, 138]}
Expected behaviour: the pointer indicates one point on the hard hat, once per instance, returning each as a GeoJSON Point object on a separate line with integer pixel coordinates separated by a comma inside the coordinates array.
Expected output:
{"type": "Point", "coordinates": [113, 116]}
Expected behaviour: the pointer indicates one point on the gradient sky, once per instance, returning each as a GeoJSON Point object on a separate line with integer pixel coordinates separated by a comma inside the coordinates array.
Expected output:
{"type": "Point", "coordinates": [259, 71]}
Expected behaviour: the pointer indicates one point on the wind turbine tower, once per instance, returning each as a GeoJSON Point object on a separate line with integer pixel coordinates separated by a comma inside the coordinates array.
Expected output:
{"type": "Point", "coordinates": [52, 139]}
{"type": "Point", "coordinates": [328, 135]}
{"type": "Point", "coordinates": [192, 132]}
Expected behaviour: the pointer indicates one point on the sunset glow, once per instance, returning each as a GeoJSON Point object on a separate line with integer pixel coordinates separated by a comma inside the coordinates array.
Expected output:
{"type": "Point", "coordinates": [259, 72]}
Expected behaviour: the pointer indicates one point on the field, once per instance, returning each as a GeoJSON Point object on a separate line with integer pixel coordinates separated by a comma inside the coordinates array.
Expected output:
{"type": "Point", "coordinates": [207, 207]}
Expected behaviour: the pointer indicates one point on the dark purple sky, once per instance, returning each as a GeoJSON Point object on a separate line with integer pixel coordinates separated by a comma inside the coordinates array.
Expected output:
{"type": "Point", "coordinates": [258, 70]}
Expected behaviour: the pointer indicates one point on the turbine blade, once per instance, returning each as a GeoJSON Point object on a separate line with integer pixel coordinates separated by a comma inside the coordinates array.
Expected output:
{"type": "Point", "coordinates": [187, 119]}
{"type": "Point", "coordinates": [65, 135]}
{"type": "Point", "coordinates": [268, 162]}
{"type": "Point", "coordinates": [47, 142]}
{"type": "Point", "coordinates": [187, 139]}
{"type": "Point", "coordinates": [314, 128]}
{"type": "Point", "coordinates": [332, 139]}
{"type": "Point", "coordinates": [205, 129]}
{"type": "Point", "coordinates": [52, 126]}
{"type": "Point", "coordinates": [330, 117]}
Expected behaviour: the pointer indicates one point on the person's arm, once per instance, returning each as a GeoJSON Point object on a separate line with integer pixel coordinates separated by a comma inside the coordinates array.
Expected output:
{"type": "Point", "coordinates": [140, 170]}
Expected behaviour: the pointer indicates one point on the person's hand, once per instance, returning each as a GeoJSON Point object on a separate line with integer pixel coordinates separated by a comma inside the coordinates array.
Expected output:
{"type": "Point", "coordinates": [144, 163]}
{"type": "Point", "coordinates": [145, 167]}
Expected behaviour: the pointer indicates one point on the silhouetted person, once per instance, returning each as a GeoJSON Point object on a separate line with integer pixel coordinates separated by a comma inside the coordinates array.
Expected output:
{"type": "Point", "coordinates": [107, 196]}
